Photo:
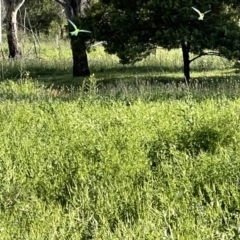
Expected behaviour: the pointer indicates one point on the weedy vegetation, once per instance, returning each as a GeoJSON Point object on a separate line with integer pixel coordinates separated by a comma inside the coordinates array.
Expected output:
{"type": "Point", "coordinates": [130, 153]}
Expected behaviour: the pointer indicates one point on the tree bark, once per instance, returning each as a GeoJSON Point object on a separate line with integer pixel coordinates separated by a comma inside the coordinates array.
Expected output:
{"type": "Point", "coordinates": [80, 60]}
{"type": "Point", "coordinates": [72, 9]}
{"type": "Point", "coordinates": [12, 8]}
{"type": "Point", "coordinates": [186, 61]}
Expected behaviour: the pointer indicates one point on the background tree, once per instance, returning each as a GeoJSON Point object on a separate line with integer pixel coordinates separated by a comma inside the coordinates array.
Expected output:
{"type": "Point", "coordinates": [75, 11]}
{"type": "Point", "coordinates": [12, 7]}
{"type": "Point", "coordinates": [41, 14]}
{"type": "Point", "coordinates": [134, 28]}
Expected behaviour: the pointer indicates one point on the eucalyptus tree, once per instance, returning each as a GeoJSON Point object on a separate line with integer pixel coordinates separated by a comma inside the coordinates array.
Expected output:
{"type": "Point", "coordinates": [75, 11]}
{"type": "Point", "coordinates": [133, 28]}
{"type": "Point", "coordinates": [12, 7]}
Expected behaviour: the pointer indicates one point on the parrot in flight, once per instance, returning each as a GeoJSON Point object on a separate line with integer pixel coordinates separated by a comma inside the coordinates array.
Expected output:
{"type": "Point", "coordinates": [76, 31]}
{"type": "Point", "coordinates": [201, 15]}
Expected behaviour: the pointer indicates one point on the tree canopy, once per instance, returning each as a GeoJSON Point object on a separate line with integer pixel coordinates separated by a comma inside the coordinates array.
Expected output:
{"type": "Point", "coordinates": [134, 28]}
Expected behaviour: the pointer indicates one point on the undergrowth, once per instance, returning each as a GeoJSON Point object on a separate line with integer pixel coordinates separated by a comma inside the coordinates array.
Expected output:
{"type": "Point", "coordinates": [141, 163]}
{"type": "Point", "coordinates": [131, 152]}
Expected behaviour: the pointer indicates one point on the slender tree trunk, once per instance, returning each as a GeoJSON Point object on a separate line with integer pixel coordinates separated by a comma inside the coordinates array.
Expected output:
{"type": "Point", "coordinates": [12, 7]}
{"type": "Point", "coordinates": [186, 61]}
{"type": "Point", "coordinates": [12, 38]}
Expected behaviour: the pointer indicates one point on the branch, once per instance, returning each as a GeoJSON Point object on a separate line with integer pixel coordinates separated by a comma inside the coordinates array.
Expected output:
{"type": "Point", "coordinates": [67, 8]}
{"type": "Point", "coordinates": [206, 54]}
{"type": "Point", "coordinates": [23, 26]}
{"type": "Point", "coordinates": [19, 3]}
{"type": "Point", "coordinates": [200, 55]}
{"type": "Point", "coordinates": [61, 2]}
{"type": "Point", "coordinates": [15, 4]}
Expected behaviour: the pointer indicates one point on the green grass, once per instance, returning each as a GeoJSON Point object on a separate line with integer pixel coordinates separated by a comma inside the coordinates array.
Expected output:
{"type": "Point", "coordinates": [132, 159]}
{"type": "Point", "coordinates": [77, 165]}
{"type": "Point", "coordinates": [52, 64]}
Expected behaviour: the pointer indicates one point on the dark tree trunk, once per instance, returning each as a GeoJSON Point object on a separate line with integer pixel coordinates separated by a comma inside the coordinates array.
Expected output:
{"type": "Point", "coordinates": [80, 61]}
{"type": "Point", "coordinates": [186, 61]}
{"type": "Point", "coordinates": [74, 9]}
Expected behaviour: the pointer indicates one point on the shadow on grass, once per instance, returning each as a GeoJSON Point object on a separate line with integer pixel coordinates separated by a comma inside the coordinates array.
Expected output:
{"type": "Point", "coordinates": [137, 75]}
{"type": "Point", "coordinates": [59, 75]}
{"type": "Point", "coordinates": [134, 69]}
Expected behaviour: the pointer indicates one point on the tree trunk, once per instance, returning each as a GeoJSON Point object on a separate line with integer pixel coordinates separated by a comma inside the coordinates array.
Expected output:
{"type": "Point", "coordinates": [73, 9]}
{"type": "Point", "coordinates": [80, 61]}
{"type": "Point", "coordinates": [12, 8]}
{"type": "Point", "coordinates": [12, 38]}
{"type": "Point", "coordinates": [186, 61]}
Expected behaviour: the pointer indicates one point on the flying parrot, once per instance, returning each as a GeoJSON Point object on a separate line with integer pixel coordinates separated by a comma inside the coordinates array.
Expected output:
{"type": "Point", "coordinates": [76, 31]}
{"type": "Point", "coordinates": [201, 15]}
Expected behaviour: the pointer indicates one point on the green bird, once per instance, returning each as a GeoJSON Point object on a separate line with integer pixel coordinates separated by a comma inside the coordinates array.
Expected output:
{"type": "Point", "coordinates": [76, 31]}
{"type": "Point", "coordinates": [201, 15]}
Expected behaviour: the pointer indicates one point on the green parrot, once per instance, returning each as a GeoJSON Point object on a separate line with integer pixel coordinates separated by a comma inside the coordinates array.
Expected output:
{"type": "Point", "coordinates": [201, 15]}
{"type": "Point", "coordinates": [76, 31]}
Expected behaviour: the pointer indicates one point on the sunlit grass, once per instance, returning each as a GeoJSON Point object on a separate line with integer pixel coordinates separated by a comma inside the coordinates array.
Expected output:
{"type": "Point", "coordinates": [142, 157]}
{"type": "Point", "coordinates": [50, 59]}
{"type": "Point", "coordinates": [78, 164]}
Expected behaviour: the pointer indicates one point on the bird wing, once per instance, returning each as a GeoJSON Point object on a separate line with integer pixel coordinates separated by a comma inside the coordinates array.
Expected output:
{"type": "Point", "coordinates": [207, 11]}
{"type": "Point", "coordinates": [75, 27]}
{"type": "Point", "coordinates": [196, 10]}
{"type": "Point", "coordinates": [86, 31]}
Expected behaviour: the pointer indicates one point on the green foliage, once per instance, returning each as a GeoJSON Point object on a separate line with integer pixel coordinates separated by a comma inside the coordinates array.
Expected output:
{"type": "Point", "coordinates": [40, 15]}
{"type": "Point", "coordinates": [81, 165]}
{"type": "Point", "coordinates": [114, 25]}
{"type": "Point", "coordinates": [204, 132]}
{"type": "Point", "coordinates": [133, 35]}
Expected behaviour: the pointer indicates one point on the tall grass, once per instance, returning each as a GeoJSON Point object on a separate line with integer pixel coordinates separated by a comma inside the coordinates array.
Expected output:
{"type": "Point", "coordinates": [48, 59]}
{"type": "Point", "coordinates": [86, 165]}
{"type": "Point", "coordinates": [133, 159]}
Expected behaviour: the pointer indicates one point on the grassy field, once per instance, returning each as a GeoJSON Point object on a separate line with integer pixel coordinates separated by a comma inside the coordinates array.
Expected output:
{"type": "Point", "coordinates": [51, 63]}
{"type": "Point", "coordinates": [132, 154]}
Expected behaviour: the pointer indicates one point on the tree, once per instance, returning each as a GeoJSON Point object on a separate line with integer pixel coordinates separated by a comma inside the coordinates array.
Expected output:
{"type": "Point", "coordinates": [134, 28]}
{"type": "Point", "coordinates": [40, 15]}
{"type": "Point", "coordinates": [12, 7]}
{"type": "Point", "coordinates": [75, 11]}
